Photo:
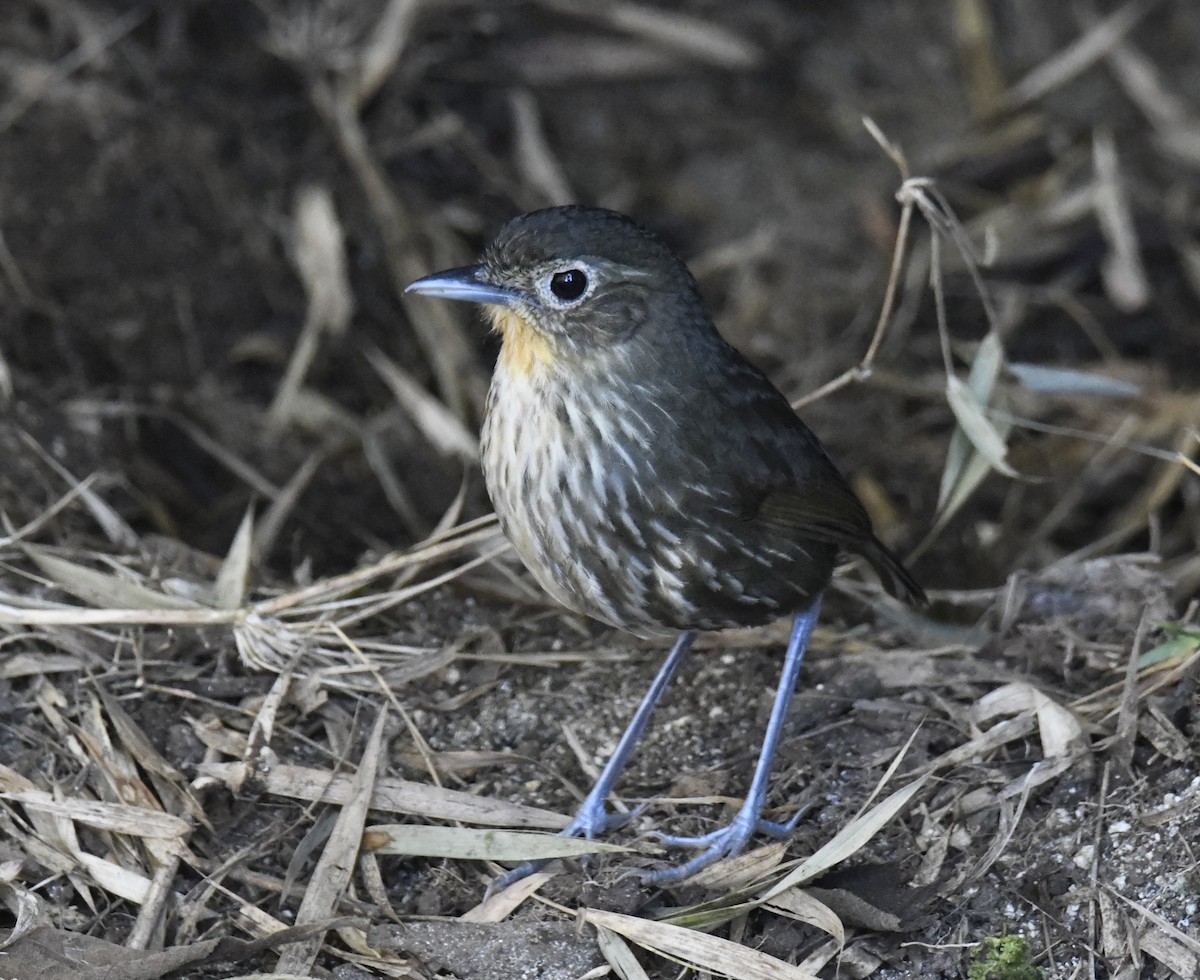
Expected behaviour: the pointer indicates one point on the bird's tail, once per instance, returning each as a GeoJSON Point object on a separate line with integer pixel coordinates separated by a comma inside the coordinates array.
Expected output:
{"type": "Point", "coordinates": [896, 578]}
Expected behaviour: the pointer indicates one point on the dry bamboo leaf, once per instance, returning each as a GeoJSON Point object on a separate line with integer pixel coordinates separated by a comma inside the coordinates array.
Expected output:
{"type": "Point", "coordinates": [117, 817]}
{"type": "Point", "coordinates": [394, 796]}
{"type": "Point", "coordinates": [132, 886]}
{"type": "Point", "coordinates": [985, 81]}
{"type": "Point", "coordinates": [619, 956]}
{"type": "Point", "coordinates": [736, 873]}
{"type": "Point", "coordinates": [216, 737]}
{"type": "Point", "coordinates": [320, 257]}
{"type": "Point", "coordinates": [984, 436]}
{"type": "Point", "coordinates": [1157, 729]}
{"type": "Point", "coordinates": [819, 958]}
{"type": "Point", "coordinates": [695, 949]}
{"type": "Point", "coordinates": [498, 907]}
{"type": "Point", "coordinates": [24, 906]}
{"type": "Point", "coordinates": [965, 467]}
{"type": "Point", "coordinates": [1068, 381]}
{"type": "Point", "coordinates": [1060, 731]}
{"type": "Point", "coordinates": [104, 590]}
{"type": "Point", "coordinates": [1181, 937]}
{"type": "Point", "coordinates": [1171, 954]}
{"type": "Point", "coordinates": [229, 591]}
{"type": "Point", "coordinates": [27, 664]}
{"type": "Point", "coordinates": [479, 844]}
{"type": "Point", "coordinates": [999, 734]}
{"type": "Point", "coordinates": [798, 904]}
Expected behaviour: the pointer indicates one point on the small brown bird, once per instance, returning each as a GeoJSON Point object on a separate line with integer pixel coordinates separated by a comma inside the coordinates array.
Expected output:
{"type": "Point", "coordinates": [646, 473]}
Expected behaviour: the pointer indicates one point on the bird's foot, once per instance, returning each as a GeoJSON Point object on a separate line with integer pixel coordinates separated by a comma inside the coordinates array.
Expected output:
{"type": "Point", "coordinates": [724, 843]}
{"type": "Point", "coordinates": [591, 820]}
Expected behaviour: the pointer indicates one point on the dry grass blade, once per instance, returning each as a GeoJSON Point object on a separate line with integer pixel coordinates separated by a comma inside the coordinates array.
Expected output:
{"type": "Point", "coordinates": [691, 36]}
{"type": "Point", "coordinates": [1123, 271]}
{"type": "Point", "coordinates": [320, 255]}
{"type": "Point", "coordinates": [479, 844]}
{"type": "Point", "coordinates": [985, 81]}
{"type": "Point", "coordinates": [1078, 57]}
{"type": "Point", "coordinates": [707, 954]}
{"type": "Point", "coordinates": [46, 517]}
{"type": "Point", "coordinates": [302, 601]}
{"type": "Point", "coordinates": [441, 336]}
{"type": "Point", "coordinates": [92, 48]}
{"type": "Point", "coordinates": [535, 158]}
{"type": "Point", "coordinates": [862, 370]}
{"type": "Point", "coordinates": [444, 431]}
{"type": "Point", "coordinates": [284, 502]}
{"type": "Point", "coordinates": [384, 46]}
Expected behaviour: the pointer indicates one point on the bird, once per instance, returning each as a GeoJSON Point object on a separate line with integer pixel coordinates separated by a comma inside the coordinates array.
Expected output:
{"type": "Point", "coordinates": [647, 474]}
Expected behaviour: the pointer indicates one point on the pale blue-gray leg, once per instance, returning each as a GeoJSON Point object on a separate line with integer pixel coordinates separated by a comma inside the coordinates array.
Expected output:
{"type": "Point", "coordinates": [591, 819]}
{"type": "Point", "coordinates": [732, 840]}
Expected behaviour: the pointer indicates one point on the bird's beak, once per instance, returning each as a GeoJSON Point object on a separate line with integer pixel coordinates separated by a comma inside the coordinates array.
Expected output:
{"type": "Point", "coordinates": [467, 284]}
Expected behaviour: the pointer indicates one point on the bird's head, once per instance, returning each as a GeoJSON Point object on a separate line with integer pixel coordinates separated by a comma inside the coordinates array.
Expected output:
{"type": "Point", "coordinates": [576, 285]}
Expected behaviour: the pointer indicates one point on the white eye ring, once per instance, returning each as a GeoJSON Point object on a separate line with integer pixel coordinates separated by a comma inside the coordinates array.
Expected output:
{"type": "Point", "coordinates": [568, 285]}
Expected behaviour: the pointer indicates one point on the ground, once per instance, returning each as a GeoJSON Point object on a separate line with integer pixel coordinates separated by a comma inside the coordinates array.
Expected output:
{"type": "Point", "coordinates": [210, 210]}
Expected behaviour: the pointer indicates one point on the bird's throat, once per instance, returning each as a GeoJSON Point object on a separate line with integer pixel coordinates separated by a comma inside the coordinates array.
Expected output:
{"type": "Point", "coordinates": [525, 351]}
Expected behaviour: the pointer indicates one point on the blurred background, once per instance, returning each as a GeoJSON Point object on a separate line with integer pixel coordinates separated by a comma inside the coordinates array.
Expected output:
{"type": "Point", "coordinates": [155, 158]}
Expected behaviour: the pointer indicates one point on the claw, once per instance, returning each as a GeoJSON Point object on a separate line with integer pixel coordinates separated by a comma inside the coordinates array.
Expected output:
{"type": "Point", "coordinates": [590, 821]}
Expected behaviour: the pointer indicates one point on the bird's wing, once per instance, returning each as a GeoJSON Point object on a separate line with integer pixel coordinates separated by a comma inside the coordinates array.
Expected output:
{"type": "Point", "coordinates": [828, 510]}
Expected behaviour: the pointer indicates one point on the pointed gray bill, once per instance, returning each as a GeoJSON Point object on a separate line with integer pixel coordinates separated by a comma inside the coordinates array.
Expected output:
{"type": "Point", "coordinates": [465, 284]}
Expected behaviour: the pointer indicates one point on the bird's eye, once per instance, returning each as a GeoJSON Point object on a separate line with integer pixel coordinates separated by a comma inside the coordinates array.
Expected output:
{"type": "Point", "coordinates": [569, 284]}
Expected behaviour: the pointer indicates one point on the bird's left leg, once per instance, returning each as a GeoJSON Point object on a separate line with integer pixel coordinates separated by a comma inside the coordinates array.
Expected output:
{"type": "Point", "coordinates": [730, 841]}
{"type": "Point", "coordinates": [591, 818]}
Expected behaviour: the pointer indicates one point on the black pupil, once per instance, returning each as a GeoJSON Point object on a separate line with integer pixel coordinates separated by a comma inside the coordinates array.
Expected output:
{"type": "Point", "coordinates": [568, 285]}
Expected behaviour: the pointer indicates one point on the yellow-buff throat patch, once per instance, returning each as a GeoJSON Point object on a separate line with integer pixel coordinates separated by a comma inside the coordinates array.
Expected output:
{"type": "Point", "coordinates": [525, 349]}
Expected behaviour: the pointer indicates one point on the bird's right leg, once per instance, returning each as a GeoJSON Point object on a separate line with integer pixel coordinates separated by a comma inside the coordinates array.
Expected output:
{"type": "Point", "coordinates": [591, 819]}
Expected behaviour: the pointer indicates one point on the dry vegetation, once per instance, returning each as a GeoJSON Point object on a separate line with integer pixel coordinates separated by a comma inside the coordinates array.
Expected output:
{"type": "Point", "coordinates": [241, 733]}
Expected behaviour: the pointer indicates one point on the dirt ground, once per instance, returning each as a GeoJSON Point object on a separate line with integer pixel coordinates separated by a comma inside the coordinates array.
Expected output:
{"type": "Point", "coordinates": [208, 211]}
